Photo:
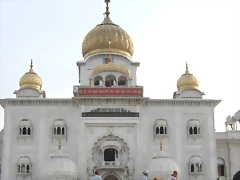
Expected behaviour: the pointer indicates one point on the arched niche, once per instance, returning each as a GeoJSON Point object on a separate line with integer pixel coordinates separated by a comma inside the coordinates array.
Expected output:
{"type": "Point", "coordinates": [117, 148]}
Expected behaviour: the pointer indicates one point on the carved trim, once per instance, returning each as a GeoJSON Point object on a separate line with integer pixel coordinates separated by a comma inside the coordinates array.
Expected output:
{"type": "Point", "coordinates": [120, 140]}
{"type": "Point", "coordinates": [109, 100]}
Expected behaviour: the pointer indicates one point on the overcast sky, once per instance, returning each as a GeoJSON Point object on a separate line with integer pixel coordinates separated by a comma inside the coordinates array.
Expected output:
{"type": "Point", "coordinates": [165, 33]}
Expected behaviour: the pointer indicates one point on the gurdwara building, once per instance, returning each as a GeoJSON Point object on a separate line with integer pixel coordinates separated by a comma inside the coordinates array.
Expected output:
{"type": "Point", "coordinates": [109, 125]}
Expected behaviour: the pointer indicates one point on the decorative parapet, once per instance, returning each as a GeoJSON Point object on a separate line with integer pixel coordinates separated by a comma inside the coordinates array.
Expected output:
{"type": "Point", "coordinates": [109, 100]}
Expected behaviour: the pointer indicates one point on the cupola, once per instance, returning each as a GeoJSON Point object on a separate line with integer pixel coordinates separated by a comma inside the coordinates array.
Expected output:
{"type": "Point", "coordinates": [187, 81]}
{"type": "Point", "coordinates": [97, 39]}
{"type": "Point", "coordinates": [61, 167]}
{"type": "Point", "coordinates": [30, 80]}
{"type": "Point", "coordinates": [162, 165]}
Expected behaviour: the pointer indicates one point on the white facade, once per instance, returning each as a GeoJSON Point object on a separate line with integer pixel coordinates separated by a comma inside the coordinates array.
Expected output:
{"type": "Point", "coordinates": [84, 139]}
{"type": "Point", "coordinates": [117, 135]}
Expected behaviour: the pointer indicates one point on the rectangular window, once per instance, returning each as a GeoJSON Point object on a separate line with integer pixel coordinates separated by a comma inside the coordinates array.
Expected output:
{"type": "Point", "coordinates": [221, 170]}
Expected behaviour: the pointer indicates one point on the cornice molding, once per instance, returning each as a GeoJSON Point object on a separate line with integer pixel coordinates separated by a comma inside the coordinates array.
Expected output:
{"type": "Point", "coordinates": [35, 102]}
{"type": "Point", "coordinates": [224, 141]}
{"type": "Point", "coordinates": [108, 100]}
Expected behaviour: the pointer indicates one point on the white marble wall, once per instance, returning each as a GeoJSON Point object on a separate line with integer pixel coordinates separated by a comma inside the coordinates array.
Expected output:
{"type": "Point", "coordinates": [136, 132]}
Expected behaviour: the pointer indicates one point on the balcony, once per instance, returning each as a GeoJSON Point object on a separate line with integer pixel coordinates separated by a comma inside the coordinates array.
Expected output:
{"type": "Point", "coordinates": [111, 165]}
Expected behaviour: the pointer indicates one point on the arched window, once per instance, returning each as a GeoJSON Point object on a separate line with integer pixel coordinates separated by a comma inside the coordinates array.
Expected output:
{"type": "Point", "coordinates": [160, 126]}
{"type": "Point", "coordinates": [221, 166]}
{"type": "Point", "coordinates": [192, 167]}
{"type": "Point", "coordinates": [194, 127]}
{"type": "Point", "coordinates": [29, 131]}
{"type": "Point", "coordinates": [24, 165]}
{"type": "Point", "coordinates": [22, 168]}
{"type": "Point", "coordinates": [110, 81]}
{"type": "Point", "coordinates": [122, 81]}
{"type": "Point", "coordinates": [25, 128]}
{"type": "Point", "coordinates": [59, 129]}
{"type": "Point", "coordinates": [190, 130]}
{"type": "Point", "coordinates": [98, 81]}
{"type": "Point", "coordinates": [195, 164]}
{"type": "Point", "coordinates": [195, 130]}
{"type": "Point", "coordinates": [24, 132]}
{"type": "Point", "coordinates": [161, 130]}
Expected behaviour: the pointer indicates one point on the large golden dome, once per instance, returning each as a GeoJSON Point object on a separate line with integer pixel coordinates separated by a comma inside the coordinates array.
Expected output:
{"type": "Point", "coordinates": [187, 81]}
{"type": "Point", "coordinates": [30, 80]}
{"type": "Point", "coordinates": [96, 41]}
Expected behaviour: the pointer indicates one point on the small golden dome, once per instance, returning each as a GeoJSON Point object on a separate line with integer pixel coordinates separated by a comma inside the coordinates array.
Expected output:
{"type": "Point", "coordinates": [30, 80]}
{"type": "Point", "coordinates": [187, 81]}
{"type": "Point", "coordinates": [96, 41]}
{"type": "Point", "coordinates": [111, 67]}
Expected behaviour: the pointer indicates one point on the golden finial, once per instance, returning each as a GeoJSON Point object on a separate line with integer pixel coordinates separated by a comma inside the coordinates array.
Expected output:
{"type": "Point", "coordinates": [59, 144]}
{"type": "Point", "coordinates": [161, 144]}
{"type": "Point", "coordinates": [107, 8]}
{"type": "Point", "coordinates": [31, 65]}
{"type": "Point", "coordinates": [186, 72]}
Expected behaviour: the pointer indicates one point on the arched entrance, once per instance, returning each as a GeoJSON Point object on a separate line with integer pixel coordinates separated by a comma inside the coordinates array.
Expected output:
{"type": "Point", "coordinates": [110, 177]}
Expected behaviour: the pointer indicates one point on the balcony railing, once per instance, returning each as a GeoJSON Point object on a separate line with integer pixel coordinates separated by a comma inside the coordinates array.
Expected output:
{"type": "Point", "coordinates": [110, 163]}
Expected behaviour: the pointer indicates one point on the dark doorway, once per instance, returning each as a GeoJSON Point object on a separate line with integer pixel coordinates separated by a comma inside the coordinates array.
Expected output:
{"type": "Point", "coordinates": [111, 177]}
{"type": "Point", "coordinates": [109, 154]}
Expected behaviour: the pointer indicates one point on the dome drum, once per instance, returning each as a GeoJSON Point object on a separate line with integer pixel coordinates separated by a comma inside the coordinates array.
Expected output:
{"type": "Point", "coordinates": [110, 67]}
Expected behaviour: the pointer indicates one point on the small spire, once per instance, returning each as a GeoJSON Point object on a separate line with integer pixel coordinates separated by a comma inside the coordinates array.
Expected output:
{"type": "Point", "coordinates": [31, 65]}
{"type": "Point", "coordinates": [59, 144]}
{"type": "Point", "coordinates": [186, 72]}
{"type": "Point", "coordinates": [161, 144]}
{"type": "Point", "coordinates": [107, 8]}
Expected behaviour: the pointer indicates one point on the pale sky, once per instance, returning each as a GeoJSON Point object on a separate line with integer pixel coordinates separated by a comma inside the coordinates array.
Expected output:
{"type": "Point", "coordinates": [165, 33]}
